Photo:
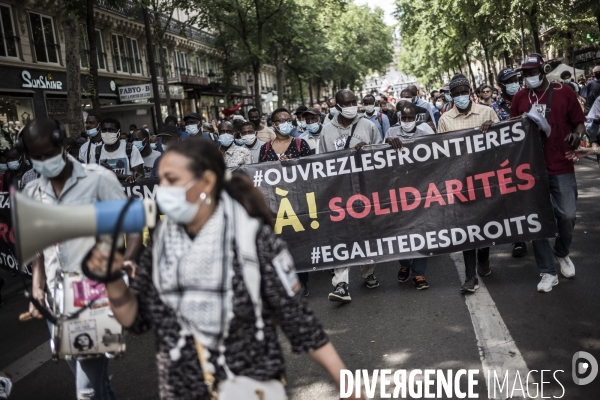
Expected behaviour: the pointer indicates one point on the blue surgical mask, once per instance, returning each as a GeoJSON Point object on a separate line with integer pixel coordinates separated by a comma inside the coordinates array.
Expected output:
{"type": "Point", "coordinates": [226, 139]}
{"type": "Point", "coordinates": [447, 97]}
{"type": "Point", "coordinates": [302, 124]}
{"type": "Point", "coordinates": [239, 142]}
{"type": "Point", "coordinates": [92, 132]}
{"type": "Point", "coordinates": [438, 105]}
{"type": "Point", "coordinates": [377, 109]}
{"type": "Point", "coordinates": [334, 111]}
{"type": "Point", "coordinates": [51, 167]}
{"type": "Point", "coordinates": [14, 165]}
{"type": "Point", "coordinates": [314, 128]}
{"type": "Point", "coordinates": [153, 146]}
{"type": "Point", "coordinates": [512, 88]}
{"type": "Point", "coordinates": [462, 102]}
{"type": "Point", "coordinates": [3, 167]}
{"type": "Point", "coordinates": [286, 128]}
{"type": "Point", "coordinates": [139, 144]}
{"type": "Point", "coordinates": [534, 82]}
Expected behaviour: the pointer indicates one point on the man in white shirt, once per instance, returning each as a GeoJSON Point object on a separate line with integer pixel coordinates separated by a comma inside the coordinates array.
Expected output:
{"type": "Point", "coordinates": [122, 158]}
{"type": "Point", "coordinates": [312, 135]}
{"type": "Point", "coordinates": [348, 130]}
{"type": "Point", "coordinates": [251, 142]}
{"type": "Point", "coordinates": [141, 140]}
{"type": "Point", "coordinates": [92, 129]}
{"type": "Point", "coordinates": [66, 181]}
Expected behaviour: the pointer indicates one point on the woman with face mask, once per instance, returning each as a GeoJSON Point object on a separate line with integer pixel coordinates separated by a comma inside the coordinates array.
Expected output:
{"type": "Point", "coordinates": [17, 167]}
{"type": "Point", "coordinates": [213, 283]}
{"type": "Point", "coordinates": [284, 146]}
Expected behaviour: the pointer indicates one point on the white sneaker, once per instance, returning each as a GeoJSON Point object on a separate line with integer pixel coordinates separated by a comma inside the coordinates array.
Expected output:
{"type": "Point", "coordinates": [547, 282]}
{"type": "Point", "coordinates": [566, 266]}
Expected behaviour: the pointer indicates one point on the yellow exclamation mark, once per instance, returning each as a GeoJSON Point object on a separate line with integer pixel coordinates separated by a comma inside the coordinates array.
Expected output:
{"type": "Point", "coordinates": [312, 209]}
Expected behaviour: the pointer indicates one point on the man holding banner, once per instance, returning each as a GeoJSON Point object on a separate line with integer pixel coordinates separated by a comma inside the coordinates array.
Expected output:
{"type": "Point", "coordinates": [557, 104]}
{"type": "Point", "coordinates": [468, 115]}
{"type": "Point", "coordinates": [347, 129]}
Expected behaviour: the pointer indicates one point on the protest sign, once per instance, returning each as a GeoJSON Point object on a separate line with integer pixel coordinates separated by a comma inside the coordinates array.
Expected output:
{"type": "Point", "coordinates": [440, 194]}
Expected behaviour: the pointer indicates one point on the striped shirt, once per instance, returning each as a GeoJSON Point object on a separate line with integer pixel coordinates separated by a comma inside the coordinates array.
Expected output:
{"type": "Point", "coordinates": [452, 120]}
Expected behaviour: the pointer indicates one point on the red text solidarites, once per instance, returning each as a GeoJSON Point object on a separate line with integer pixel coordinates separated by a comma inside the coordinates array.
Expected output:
{"type": "Point", "coordinates": [393, 200]}
{"type": "Point", "coordinates": [3, 231]}
{"type": "Point", "coordinates": [350, 204]}
{"type": "Point", "coordinates": [454, 188]}
{"type": "Point", "coordinates": [485, 180]}
{"type": "Point", "coordinates": [377, 205]}
{"type": "Point", "coordinates": [404, 202]}
{"type": "Point", "coordinates": [470, 188]}
{"type": "Point", "coordinates": [333, 206]}
{"type": "Point", "coordinates": [521, 174]}
{"type": "Point", "coordinates": [433, 195]}
{"type": "Point", "coordinates": [504, 181]}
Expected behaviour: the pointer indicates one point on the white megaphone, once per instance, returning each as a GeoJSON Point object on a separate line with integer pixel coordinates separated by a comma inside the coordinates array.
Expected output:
{"type": "Point", "coordinates": [37, 225]}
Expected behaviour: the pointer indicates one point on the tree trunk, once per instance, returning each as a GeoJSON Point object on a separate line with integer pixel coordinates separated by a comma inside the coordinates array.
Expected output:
{"type": "Point", "coordinates": [318, 91]}
{"type": "Point", "coordinates": [485, 70]}
{"type": "Point", "coordinates": [470, 69]}
{"type": "Point", "coordinates": [507, 62]}
{"type": "Point", "coordinates": [163, 63]}
{"type": "Point", "coordinates": [310, 92]}
{"type": "Point", "coordinates": [487, 61]}
{"type": "Point", "coordinates": [152, 66]}
{"type": "Point", "coordinates": [280, 83]}
{"type": "Point", "coordinates": [522, 39]}
{"type": "Point", "coordinates": [93, 71]}
{"type": "Point", "coordinates": [72, 61]}
{"type": "Point", "coordinates": [256, 71]}
{"type": "Point", "coordinates": [535, 30]}
{"type": "Point", "coordinates": [300, 86]}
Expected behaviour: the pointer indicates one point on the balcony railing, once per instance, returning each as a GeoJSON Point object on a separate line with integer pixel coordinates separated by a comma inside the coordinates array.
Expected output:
{"type": "Point", "coordinates": [129, 10]}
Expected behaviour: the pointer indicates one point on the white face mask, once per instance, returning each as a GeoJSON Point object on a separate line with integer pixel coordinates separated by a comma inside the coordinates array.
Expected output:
{"type": "Point", "coordinates": [349, 112]}
{"type": "Point", "coordinates": [52, 167]}
{"type": "Point", "coordinates": [533, 82]}
{"type": "Point", "coordinates": [110, 137]}
{"type": "Point", "coordinates": [302, 124]}
{"type": "Point", "coordinates": [249, 139]}
{"type": "Point", "coordinates": [172, 201]}
{"type": "Point", "coordinates": [370, 108]}
{"type": "Point", "coordinates": [192, 129]}
{"type": "Point", "coordinates": [408, 126]}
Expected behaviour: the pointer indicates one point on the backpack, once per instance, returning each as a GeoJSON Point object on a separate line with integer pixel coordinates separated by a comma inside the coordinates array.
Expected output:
{"type": "Point", "coordinates": [268, 147]}
{"type": "Point", "coordinates": [128, 150]}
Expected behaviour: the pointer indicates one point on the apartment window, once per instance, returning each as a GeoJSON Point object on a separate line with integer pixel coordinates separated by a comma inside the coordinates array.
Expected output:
{"type": "Point", "coordinates": [8, 41]}
{"type": "Point", "coordinates": [134, 56]}
{"type": "Point", "coordinates": [44, 38]}
{"type": "Point", "coordinates": [84, 50]}
{"type": "Point", "coordinates": [157, 63]}
{"type": "Point", "coordinates": [183, 64]}
{"type": "Point", "coordinates": [119, 53]}
{"type": "Point", "coordinates": [165, 54]}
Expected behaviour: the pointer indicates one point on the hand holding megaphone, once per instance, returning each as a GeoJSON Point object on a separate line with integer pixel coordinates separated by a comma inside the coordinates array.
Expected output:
{"type": "Point", "coordinates": [97, 262]}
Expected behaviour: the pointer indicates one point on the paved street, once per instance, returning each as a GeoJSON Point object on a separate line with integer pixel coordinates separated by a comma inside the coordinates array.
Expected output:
{"type": "Point", "coordinates": [506, 324]}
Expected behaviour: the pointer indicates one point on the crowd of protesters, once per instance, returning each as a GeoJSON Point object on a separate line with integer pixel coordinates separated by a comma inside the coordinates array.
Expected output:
{"type": "Point", "coordinates": [217, 227]}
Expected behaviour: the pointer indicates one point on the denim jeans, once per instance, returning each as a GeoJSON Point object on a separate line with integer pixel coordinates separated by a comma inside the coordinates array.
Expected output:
{"type": "Point", "coordinates": [418, 266]}
{"type": "Point", "coordinates": [91, 378]}
{"type": "Point", "coordinates": [563, 194]}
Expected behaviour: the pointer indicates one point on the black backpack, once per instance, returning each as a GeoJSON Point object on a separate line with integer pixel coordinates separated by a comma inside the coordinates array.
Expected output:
{"type": "Point", "coordinates": [128, 150]}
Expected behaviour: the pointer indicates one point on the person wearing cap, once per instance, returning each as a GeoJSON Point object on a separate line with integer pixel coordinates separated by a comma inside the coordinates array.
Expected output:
{"type": "Point", "coordinates": [172, 120]}
{"type": "Point", "coordinates": [300, 124]}
{"type": "Point", "coordinates": [508, 80]}
{"type": "Point", "coordinates": [377, 117]}
{"type": "Point", "coordinates": [312, 117]}
{"type": "Point", "coordinates": [141, 139]}
{"type": "Point", "coordinates": [565, 113]}
{"type": "Point", "coordinates": [169, 135]}
{"type": "Point", "coordinates": [445, 92]}
{"type": "Point", "coordinates": [468, 115]}
{"type": "Point", "coordinates": [193, 126]}
{"type": "Point", "coordinates": [591, 90]}
{"type": "Point", "coordinates": [235, 156]}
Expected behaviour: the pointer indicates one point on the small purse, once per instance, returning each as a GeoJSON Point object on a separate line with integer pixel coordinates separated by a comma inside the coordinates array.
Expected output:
{"type": "Point", "coordinates": [239, 387]}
